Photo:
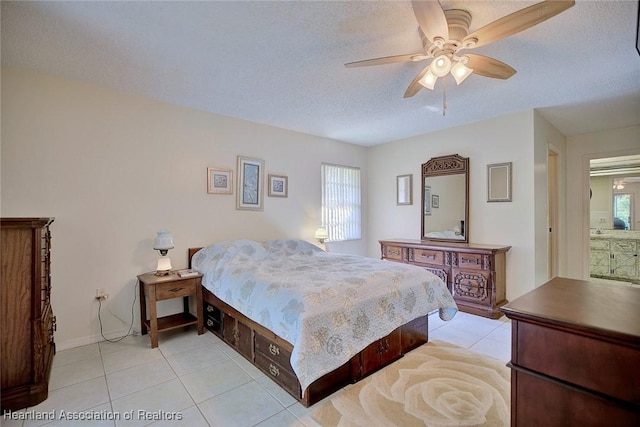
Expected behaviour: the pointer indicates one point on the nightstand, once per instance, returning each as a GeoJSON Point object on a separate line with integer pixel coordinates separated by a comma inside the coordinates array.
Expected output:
{"type": "Point", "coordinates": [155, 288]}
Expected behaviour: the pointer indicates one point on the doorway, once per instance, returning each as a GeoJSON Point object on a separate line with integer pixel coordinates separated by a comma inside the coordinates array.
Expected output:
{"type": "Point", "coordinates": [614, 190]}
{"type": "Point", "coordinates": [552, 214]}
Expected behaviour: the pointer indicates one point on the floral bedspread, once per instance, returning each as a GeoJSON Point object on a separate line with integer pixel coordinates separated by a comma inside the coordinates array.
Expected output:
{"type": "Point", "coordinates": [328, 306]}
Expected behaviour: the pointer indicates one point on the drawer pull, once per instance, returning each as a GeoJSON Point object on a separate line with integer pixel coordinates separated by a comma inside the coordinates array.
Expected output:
{"type": "Point", "coordinates": [274, 349]}
{"type": "Point", "coordinates": [468, 261]}
{"type": "Point", "coordinates": [175, 289]}
{"type": "Point", "coordinates": [209, 308]}
{"type": "Point", "coordinates": [274, 370]}
{"type": "Point", "coordinates": [425, 255]}
{"type": "Point", "coordinates": [394, 252]}
{"type": "Point", "coordinates": [209, 322]}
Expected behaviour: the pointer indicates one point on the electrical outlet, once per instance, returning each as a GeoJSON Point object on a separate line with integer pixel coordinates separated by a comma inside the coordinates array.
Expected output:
{"type": "Point", "coordinates": [101, 294]}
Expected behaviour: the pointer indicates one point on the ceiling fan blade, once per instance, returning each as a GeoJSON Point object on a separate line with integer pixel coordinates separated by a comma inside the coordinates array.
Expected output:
{"type": "Point", "coordinates": [489, 67]}
{"type": "Point", "coordinates": [431, 19]}
{"type": "Point", "coordinates": [518, 21]}
{"type": "Point", "coordinates": [388, 60]}
{"type": "Point", "coordinates": [415, 87]}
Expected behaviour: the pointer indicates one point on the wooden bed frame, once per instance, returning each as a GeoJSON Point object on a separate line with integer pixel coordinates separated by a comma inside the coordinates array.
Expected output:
{"type": "Point", "coordinates": [271, 354]}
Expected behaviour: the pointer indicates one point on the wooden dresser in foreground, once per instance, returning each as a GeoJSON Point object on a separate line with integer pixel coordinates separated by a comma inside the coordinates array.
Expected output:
{"type": "Point", "coordinates": [575, 358]}
{"type": "Point", "coordinates": [26, 319]}
{"type": "Point", "coordinates": [475, 274]}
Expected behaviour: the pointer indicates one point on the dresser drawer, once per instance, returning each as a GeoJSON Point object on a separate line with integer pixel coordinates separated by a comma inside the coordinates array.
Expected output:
{"type": "Point", "coordinates": [426, 256]}
{"type": "Point", "coordinates": [273, 351]}
{"type": "Point", "coordinates": [557, 404]}
{"type": "Point", "coordinates": [175, 289]}
{"type": "Point", "coordinates": [283, 376]}
{"type": "Point", "coordinates": [594, 364]}
{"type": "Point", "coordinates": [392, 252]}
{"type": "Point", "coordinates": [470, 261]}
{"type": "Point", "coordinates": [471, 285]}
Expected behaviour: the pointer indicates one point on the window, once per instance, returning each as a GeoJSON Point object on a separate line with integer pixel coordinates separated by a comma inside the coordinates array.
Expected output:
{"type": "Point", "coordinates": [341, 203]}
{"type": "Point", "coordinates": [622, 211]}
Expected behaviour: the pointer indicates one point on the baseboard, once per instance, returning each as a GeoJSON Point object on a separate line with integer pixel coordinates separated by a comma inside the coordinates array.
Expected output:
{"type": "Point", "coordinates": [92, 339]}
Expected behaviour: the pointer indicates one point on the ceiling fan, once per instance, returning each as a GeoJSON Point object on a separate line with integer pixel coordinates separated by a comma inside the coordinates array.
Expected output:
{"type": "Point", "coordinates": [445, 35]}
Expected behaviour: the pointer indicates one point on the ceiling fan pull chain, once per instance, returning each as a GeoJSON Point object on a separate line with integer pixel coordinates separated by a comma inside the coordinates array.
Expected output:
{"type": "Point", "coordinates": [444, 97]}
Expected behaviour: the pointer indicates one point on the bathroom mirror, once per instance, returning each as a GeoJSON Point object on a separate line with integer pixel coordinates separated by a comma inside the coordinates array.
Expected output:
{"type": "Point", "coordinates": [614, 186]}
{"type": "Point", "coordinates": [445, 199]}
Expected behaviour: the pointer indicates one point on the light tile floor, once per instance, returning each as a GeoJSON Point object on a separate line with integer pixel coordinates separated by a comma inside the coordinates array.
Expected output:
{"type": "Point", "coordinates": [200, 379]}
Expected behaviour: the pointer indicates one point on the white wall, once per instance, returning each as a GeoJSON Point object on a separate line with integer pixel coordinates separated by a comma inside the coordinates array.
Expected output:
{"type": "Point", "coordinates": [504, 139]}
{"type": "Point", "coordinates": [580, 150]}
{"type": "Point", "coordinates": [546, 137]}
{"type": "Point", "coordinates": [114, 168]}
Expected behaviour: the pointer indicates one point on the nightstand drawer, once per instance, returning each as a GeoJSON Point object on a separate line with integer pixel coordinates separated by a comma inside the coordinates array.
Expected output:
{"type": "Point", "coordinates": [175, 289]}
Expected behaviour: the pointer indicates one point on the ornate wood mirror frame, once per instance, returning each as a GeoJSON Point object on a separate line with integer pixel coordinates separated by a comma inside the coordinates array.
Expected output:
{"type": "Point", "coordinates": [445, 199]}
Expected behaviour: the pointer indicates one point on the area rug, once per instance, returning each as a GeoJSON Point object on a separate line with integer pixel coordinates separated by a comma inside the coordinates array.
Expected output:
{"type": "Point", "coordinates": [437, 384]}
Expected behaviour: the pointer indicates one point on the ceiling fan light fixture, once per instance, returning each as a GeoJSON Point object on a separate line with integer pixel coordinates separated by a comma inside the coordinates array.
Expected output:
{"type": "Point", "coordinates": [428, 80]}
{"type": "Point", "coordinates": [460, 72]}
{"type": "Point", "coordinates": [441, 66]}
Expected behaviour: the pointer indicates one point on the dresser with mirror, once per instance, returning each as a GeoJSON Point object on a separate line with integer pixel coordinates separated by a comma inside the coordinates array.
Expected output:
{"type": "Point", "coordinates": [474, 273]}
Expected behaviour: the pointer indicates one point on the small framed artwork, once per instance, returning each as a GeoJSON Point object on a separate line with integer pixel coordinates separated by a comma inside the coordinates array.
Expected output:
{"type": "Point", "coordinates": [250, 184]}
{"type": "Point", "coordinates": [427, 200]}
{"type": "Point", "coordinates": [499, 182]}
{"type": "Point", "coordinates": [219, 181]}
{"type": "Point", "coordinates": [435, 201]}
{"type": "Point", "coordinates": [278, 186]}
{"type": "Point", "coordinates": [404, 190]}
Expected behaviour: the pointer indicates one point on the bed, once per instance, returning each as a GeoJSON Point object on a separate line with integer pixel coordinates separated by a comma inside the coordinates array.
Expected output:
{"type": "Point", "coordinates": [315, 321]}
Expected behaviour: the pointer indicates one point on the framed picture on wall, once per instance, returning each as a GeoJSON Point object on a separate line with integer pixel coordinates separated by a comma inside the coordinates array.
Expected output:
{"type": "Point", "coordinates": [219, 181]}
{"type": "Point", "coordinates": [250, 184]}
{"type": "Point", "coordinates": [435, 201]}
{"type": "Point", "coordinates": [404, 190]}
{"type": "Point", "coordinates": [499, 182]}
{"type": "Point", "coordinates": [278, 186]}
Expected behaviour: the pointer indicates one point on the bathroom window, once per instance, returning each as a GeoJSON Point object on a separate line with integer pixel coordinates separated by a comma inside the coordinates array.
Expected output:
{"type": "Point", "coordinates": [622, 211]}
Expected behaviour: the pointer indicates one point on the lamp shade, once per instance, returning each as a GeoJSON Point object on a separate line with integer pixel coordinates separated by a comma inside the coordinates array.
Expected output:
{"type": "Point", "coordinates": [321, 234]}
{"type": "Point", "coordinates": [163, 241]}
{"type": "Point", "coordinates": [429, 80]}
{"type": "Point", "coordinates": [164, 264]}
{"type": "Point", "coordinates": [441, 66]}
{"type": "Point", "coordinates": [460, 72]}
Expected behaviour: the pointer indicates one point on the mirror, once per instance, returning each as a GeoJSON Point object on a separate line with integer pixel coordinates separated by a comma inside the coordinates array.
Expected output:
{"type": "Point", "coordinates": [445, 199]}
{"type": "Point", "coordinates": [614, 195]}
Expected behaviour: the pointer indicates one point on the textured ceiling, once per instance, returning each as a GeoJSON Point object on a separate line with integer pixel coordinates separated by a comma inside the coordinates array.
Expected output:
{"type": "Point", "coordinates": [282, 63]}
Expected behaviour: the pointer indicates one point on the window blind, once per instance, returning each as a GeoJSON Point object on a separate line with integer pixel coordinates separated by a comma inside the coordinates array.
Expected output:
{"type": "Point", "coordinates": [341, 202]}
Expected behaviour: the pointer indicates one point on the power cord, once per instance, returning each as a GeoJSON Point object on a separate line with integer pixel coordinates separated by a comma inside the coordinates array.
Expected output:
{"type": "Point", "coordinates": [135, 296]}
